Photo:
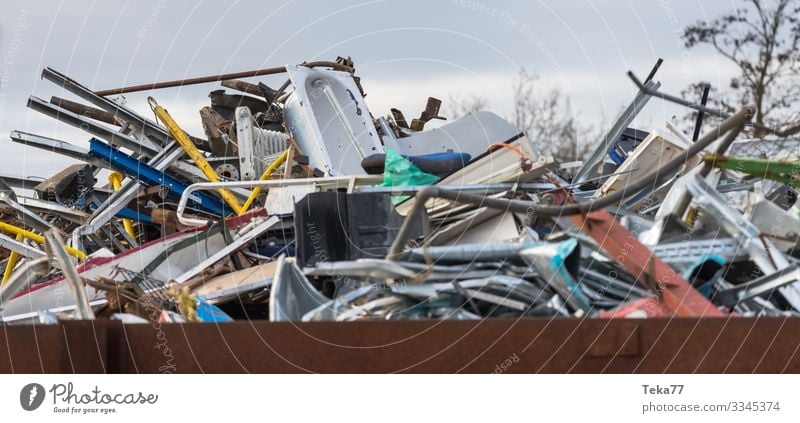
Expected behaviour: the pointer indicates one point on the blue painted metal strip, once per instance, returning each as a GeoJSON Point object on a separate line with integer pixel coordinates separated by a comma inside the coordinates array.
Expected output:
{"type": "Point", "coordinates": [128, 213]}
{"type": "Point", "coordinates": [131, 214]}
{"type": "Point", "coordinates": [149, 176]}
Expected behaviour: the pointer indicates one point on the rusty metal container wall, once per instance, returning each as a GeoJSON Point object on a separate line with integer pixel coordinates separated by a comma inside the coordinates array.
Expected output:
{"type": "Point", "coordinates": [685, 345]}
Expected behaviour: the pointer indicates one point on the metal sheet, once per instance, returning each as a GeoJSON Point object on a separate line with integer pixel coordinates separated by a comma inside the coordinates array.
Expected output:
{"type": "Point", "coordinates": [234, 284]}
{"type": "Point", "coordinates": [551, 345]}
{"type": "Point", "coordinates": [230, 248]}
{"type": "Point", "coordinates": [292, 296]}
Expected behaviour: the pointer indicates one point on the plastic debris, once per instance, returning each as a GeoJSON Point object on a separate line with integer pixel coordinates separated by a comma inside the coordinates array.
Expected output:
{"type": "Point", "coordinates": [399, 171]}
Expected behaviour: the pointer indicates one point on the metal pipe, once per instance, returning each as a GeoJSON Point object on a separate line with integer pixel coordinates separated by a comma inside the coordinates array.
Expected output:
{"type": "Point", "coordinates": [625, 119]}
{"type": "Point", "coordinates": [675, 99]}
{"type": "Point", "coordinates": [331, 181]}
{"type": "Point", "coordinates": [144, 146]}
{"type": "Point", "coordinates": [143, 127]}
{"type": "Point", "coordinates": [55, 246]}
{"type": "Point", "coordinates": [613, 135]}
{"type": "Point", "coordinates": [700, 115]}
{"type": "Point", "coordinates": [195, 154]}
{"type": "Point", "coordinates": [83, 110]}
{"type": "Point", "coordinates": [686, 198]}
{"type": "Point", "coordinates": [55, 146]}
{"type": "Point", "coordinates": [27, 274]}
{"type": "Point", "coordinates": [242, 86]}
{"type": "Point", "coordinates": [485, 188]}
{"type": "Point", "coordinates": [695, 106]}
{"type": "Point", "coordinates": [467, 253]}
{"type": "Point", "coordinates": [38, 238]}
{"type": "Point", "coordinates": [217, 78]}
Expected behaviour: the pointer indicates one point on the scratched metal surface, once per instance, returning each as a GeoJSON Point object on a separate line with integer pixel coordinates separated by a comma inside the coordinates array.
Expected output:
{"type": "Point", "coordinates": [685, 345]}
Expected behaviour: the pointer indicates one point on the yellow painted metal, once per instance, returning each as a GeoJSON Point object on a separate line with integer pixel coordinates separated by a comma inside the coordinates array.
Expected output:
{"type": "Point", "coordinates": [11, 263]}
{"type": "Point", "coordinates": [269, 171]}
{"type": "Point", "coordinates": [115, 179]}
{"type": "Point", "coordinates": [5, 227]}
{"type": "Point", "coordinates": [195, 154]}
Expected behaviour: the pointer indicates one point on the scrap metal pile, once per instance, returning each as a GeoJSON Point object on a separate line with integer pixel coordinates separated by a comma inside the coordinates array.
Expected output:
{"type": "Point", "coordinates": [299, 204]}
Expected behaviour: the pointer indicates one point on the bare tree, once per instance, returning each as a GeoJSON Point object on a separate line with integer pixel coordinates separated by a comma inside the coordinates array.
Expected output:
{"type": "Point", "coordinates": [549, 121]}
{"type": "Point", "coordinates": [762, 40]}
{"type": "Point", "coordinates": [464, 105]}
{"type": "Point", "coordinates": [524, 101]}
{"type": "Point", "coordinates": [546, 118]}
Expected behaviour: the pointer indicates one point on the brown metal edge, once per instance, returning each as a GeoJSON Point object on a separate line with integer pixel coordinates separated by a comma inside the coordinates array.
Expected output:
{"type": "Point", "coordinates": [680, 345]}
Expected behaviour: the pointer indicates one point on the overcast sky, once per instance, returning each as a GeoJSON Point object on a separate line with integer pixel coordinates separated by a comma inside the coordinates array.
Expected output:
{"type": "Point", "coordinates": [404, 51]}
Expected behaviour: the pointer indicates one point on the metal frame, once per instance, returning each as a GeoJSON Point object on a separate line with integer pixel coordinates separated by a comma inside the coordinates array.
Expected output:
{"type": "Point", "coordinates": [148, 175]}
{"type": "Point", "coordinates": [630, 113]}
{"type": "Point", "coordinates": [333, 182]}
{"type": "Point", "coordinates": [654, 92]}
{"type": "Point", "coordinates": [55, 247]}
{"type": "Point", "coordinates": [236, 244]}
{"type": "Point", "coordinates": [55, 146]}
{"type": "Point", "coordinates": [766, 256]}
{"type": "Point", "coordinates": [20, 248]}
{"type": "Point", "coordinates": [130, 187]}
{"type": "Point", "coordinates": [758, 287]}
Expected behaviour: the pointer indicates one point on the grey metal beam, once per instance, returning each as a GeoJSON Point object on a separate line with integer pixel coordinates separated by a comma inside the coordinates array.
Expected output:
{"type": "Point", "coordinates": [633, 109]}
{"type": "Point", "coordinates": [125, 235]}
{"type": "Point", "coordinates": [53, 208]}
{"type": "Point", "coordinates": [111, 238]}
{"type": "Point", "coordinates": [758, 287]}
{"type": "Point", "coordinates": [23, 278]}
{"type": "Point", "coordinates": [20, 248]}
{"type": "Point", "coordinates": [128, 190]}
{"type": "Point", "coordinates": [55, 246]}
{"type": "Point", "coordinates": [762, 251]}
{"type": "Point", "coordinates": [140, 124]}
{"type": "Point", "coordinates": [55, 146]}
{"type": "Point", "coordinates": [24, 215]}
{"type": "Point", "coordinates": [230, 248]}
{"type": "Point", "coordinates": [146, 148]}
{"type": "Point", "coordinates": [20, 182]}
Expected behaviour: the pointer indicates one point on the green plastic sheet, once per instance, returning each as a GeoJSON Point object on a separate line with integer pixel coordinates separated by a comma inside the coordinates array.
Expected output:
{"type": "Point", "coordinates": [399, 172]}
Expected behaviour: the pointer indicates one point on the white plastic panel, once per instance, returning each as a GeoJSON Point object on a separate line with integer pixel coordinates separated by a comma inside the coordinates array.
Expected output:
{"type": "Point", "coordinates": [330, 121]}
